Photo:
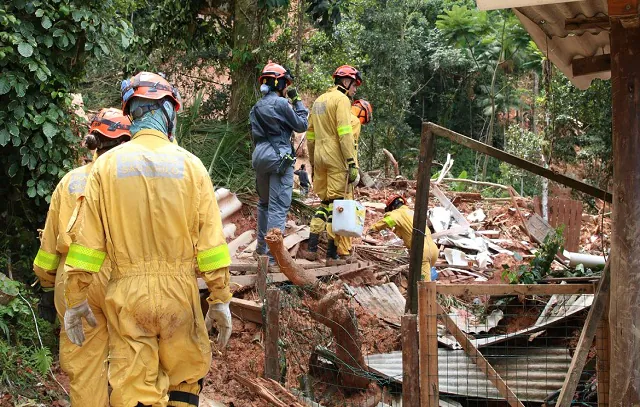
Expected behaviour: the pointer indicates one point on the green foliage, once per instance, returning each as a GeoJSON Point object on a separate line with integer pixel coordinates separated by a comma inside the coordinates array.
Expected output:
{"type": "Point", "coordinates": [540, 266]}
{"type": "Point", "coordinates": [43, 47]}
{"type": "Point", "coordinates": [24, 359]}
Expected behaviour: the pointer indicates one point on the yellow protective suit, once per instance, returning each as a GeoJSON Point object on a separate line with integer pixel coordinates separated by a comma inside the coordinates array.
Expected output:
{"type": "Point", "coordinates": [323, 216]}
{"type": "Point", "coordinates": [401, 221]}
{"type": "Point", "coordinates": [149, 207]}
{"type": "Point", "coordinates": [86, 366]}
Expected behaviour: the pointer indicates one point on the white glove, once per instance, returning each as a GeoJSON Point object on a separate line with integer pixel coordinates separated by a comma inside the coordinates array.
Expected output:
{"type": "Point", "coordinates": [73, 321]}
{"type": "Point", "coordinates": [221, 315]}
{"type": "Point", "coordinates": [357, 180]}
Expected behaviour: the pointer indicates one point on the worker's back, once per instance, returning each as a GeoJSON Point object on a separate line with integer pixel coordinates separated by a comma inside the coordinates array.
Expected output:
{"type": "Point", "coordinates": [150, 196]}
{"type": "Point", "coordinates": [402, 221]}
{"type": "Point", "coordinates": [330, 118]}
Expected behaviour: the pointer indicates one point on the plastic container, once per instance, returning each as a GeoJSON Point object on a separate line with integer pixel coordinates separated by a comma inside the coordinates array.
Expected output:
{"type": "Point", "coordinates": [348, 217]}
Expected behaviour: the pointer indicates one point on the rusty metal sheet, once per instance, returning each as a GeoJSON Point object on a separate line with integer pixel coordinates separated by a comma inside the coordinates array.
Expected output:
{"type": "Point", "coordinates": [385, 301]}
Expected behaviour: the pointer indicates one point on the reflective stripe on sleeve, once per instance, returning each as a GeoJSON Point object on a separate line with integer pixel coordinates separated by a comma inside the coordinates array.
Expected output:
{"type": "Point", "coordinates": [390, 222]}
{"type": "Point", "coordinates": [214, 258]}
{"type": "Point", "coordinates": [46, 260]}
{"type": "Point", "coordinates": [84, 258]}
{"type": "Point", "coordinates": [342, 130]}
{"type": "Point", "coordinates": [311, 136]}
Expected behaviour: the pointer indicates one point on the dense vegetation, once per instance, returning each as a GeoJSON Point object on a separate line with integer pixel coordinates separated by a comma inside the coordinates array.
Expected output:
{"type": "Point", "coordinates": [423, 60]}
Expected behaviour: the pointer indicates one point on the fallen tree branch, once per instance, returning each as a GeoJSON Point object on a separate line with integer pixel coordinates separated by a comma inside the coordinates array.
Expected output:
{"type": "Point", "coordinates": [294, 272]}
{"type": "Point", "coordinates": [392, 160]}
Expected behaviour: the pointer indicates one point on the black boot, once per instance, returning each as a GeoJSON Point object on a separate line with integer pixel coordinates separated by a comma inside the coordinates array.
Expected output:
{"type": "Point", "coordinates": [311, 253]}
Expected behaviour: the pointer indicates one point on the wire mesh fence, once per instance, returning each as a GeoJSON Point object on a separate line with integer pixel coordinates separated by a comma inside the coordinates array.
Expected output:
{"type": "Point", "coordinates": [511, 349]}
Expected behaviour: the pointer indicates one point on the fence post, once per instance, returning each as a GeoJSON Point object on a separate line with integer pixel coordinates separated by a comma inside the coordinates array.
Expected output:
{"type": "Point", "coordinates": [272, 333]}
{"type": "Point", "coordinates": [261, 277]}
{"type": "Point", "coordinates": [428, 334]}
{"type": "Point", "coordinates": [410, 361]}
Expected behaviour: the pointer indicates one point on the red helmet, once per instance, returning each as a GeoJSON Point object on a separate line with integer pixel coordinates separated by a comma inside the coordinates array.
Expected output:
{"type": "Point", "coordinates": [347, 71]}
{"type": "Point", "coordinates": [362, 110]}
{"type": "Point", "coordinates": [275, 71]}
{"type": "Point", "coordinates": [393, 199]}
{"type": "Point", "coordinates": [111, 123]}
{"type": "Point", "coordinates": [149, 86]}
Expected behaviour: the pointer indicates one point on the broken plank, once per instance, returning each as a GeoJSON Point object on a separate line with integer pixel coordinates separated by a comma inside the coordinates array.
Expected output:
{"type": "Point", "coordinates": [586, 339]}
{"type": "Point", "coordinates": [477, 358]}
{"type": "Point", "coordinates": [253, 267]}
{"type": "Point", "coordinates": [519, 162]}
{"type": "Point", "coordinates": [446, 203]}
{"type": "Point", "coordinates": [250, 279]}
{"type": "Point", "coordinates": [246, 310]}
{"type": "Point", "coordinates": [514, 289]}
{"type": "Point", "coordinates": [410, 361]}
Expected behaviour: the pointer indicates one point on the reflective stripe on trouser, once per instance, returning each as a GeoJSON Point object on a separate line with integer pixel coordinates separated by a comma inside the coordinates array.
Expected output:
{"type": "Point", "coordinates": [86, 366]}
{"type": "Point", "coordinates": [274, 193]}
{"type": "Point", "coordinates": [319, 220]}
{"type": "Point", "coordinates": [157, 338]}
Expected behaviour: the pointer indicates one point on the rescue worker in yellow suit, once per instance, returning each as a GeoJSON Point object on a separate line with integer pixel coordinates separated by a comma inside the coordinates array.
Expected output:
{"type": "Point", "coordinates": [399, 217]}
{"type": "Point", "coordinates": [333, 156]}
{"type": "Point", "coordinates": [86, 366]}
{"type": "Point", "coordinates": [149, 207]}
{"type": "Point", "coordinates": [362, 113]}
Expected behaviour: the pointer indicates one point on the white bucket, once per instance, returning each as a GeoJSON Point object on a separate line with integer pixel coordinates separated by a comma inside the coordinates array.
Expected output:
{"type": "Point", "coordinates": [348, 217]}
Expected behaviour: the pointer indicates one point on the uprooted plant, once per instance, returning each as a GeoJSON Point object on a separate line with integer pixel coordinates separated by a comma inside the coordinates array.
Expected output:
{"type": "Point", "coordinates": [540, 266]}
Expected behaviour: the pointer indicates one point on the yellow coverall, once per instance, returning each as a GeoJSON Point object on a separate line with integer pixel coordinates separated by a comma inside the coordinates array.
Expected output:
{"type": "Point", "coordinates": [86, 366]}
{"type": "Point", "coordinates": [149, 207]}
{"type": "Point", "coordinates": [331, 139]}
{"type": "Point", "coordinates": [401, 221]}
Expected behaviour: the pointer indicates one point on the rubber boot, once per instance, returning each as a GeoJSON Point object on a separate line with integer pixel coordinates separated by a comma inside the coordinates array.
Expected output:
{"type": "Point", "coordinates": [311, 253]}
{"type": "Point", "coordinates": [332, 255]}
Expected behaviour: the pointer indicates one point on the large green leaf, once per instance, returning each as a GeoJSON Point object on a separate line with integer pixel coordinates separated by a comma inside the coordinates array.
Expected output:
{"type": "Point", "coordinates": [49, 130]}
{"type": "Point", "coordinates": [5, 86]}
{"type": "Point", "coordinates": [4, 137]}
{"type": "Point", "coordinates": [25, 49]}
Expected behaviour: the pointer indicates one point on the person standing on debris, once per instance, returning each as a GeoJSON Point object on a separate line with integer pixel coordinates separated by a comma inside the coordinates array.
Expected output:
{"type": "Point", "coordinates": [149, 207]}
{"type": "Point", "coordinates": [339, 247]}
{"type": "Point", "coordinates": [303, 177]}
{"type": "Point", "coordinates": [399, 217]}
{"type": "Point", "coordinates": [86, 366]}
{"type": "Point", "coordinates": [273, 121]}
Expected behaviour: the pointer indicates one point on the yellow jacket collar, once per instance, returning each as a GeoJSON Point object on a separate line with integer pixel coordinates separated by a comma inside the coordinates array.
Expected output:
{"type": "Point", "coordinates": [150, 132]}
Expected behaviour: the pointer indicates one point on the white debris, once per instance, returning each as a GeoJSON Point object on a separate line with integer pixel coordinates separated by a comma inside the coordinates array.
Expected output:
{"type": "Point", "coordinates": [476, 216]}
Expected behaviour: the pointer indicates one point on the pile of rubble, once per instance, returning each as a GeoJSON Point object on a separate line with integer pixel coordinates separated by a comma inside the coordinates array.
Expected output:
{"type": "Point", "coordinates": [478, 237]}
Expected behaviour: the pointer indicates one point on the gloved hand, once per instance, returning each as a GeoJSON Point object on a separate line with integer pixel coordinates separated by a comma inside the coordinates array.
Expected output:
{"type": "Point", "coordinates": [46, 306]}
{"type": "Point", "coordinates": [354, 175]}
{"type": "Point", "coordinates": [221, 315]}
{"type": "Point", "coordinates": [292, 93]}
{"type": "Point", "coordinates": [73, 321]}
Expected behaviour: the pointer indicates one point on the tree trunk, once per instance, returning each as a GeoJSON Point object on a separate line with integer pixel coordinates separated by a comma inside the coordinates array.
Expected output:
{"type": "Point", "coordinates": [547, 70]}
{"type": "Point", "coordinates": [248, 29]}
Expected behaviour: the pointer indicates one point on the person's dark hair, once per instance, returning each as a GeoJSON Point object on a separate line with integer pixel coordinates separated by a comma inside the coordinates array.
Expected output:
{"type": "Point", "coordinates": [302, 167]}
{"type": "Point", "coordinates": [91, 141]}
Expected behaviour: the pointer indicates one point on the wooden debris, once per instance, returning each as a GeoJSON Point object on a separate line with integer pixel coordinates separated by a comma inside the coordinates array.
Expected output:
{"type": "Point", "coordinates": [263, 389]}
{"type": "Point", "coordinates": [246, 310]}
{"type": "Point", "coordinates": [392, 160]}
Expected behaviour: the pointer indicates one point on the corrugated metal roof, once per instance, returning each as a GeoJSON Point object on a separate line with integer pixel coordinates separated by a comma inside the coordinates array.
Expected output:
{"type": "Point", "coordinates": [385, 301]}
{"type": "Point", "coordinates": [546, 25]}
{"type": "Point", "coordinates": [532, 373]}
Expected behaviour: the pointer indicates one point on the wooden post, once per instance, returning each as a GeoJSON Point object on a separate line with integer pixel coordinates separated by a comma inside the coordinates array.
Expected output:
{"type": "Point", "coordinates": [272, 333]}
{"type": "Point", "coordinates": [625, 257]}
{"type": "Point", "coordinates": [477, 358]}
{"type": "Point", "coordinates": [586, 340]}
{"type": "Point", "coordinates": [603, 353]}
{"type": "Point", "coordinates": [261, 278]}
{"type": "Point", "coordinates": [420, 216]}
{"type": "Point", "coordinates": [428, 334]}
{"type": "Point", "coordinates": [410, 361]}
{"type": "Point", "coordinates": [432, 343]}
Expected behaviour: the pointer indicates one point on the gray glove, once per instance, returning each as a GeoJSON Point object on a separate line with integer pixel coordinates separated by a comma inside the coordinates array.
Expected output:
{"type": "Point", "coordinates": [73, 321]}
{"type": "Point", "coordinates": [221, 315]}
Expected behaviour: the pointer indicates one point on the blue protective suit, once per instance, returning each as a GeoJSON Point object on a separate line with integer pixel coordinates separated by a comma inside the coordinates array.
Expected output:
{"type": "Point", "coordinates": [272, 121]}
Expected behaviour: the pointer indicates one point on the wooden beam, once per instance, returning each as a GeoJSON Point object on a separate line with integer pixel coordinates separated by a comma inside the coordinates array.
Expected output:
{"type": "Point", "coordinates": [246, 310]}
{"type": "Point", "coordinates": [586, 340]}
{"type": "Point", "coordinates": [479, 360]}
{"type": "Point", "coordinates": [410, 361]}
{"type": "Point", "coordinates": [252, 268]}
{"type": "Point", "coordinates": [514, 289]}
{"type": "Point", "coordinates": [600, 23]}
{"type": "Point", "coordinates": [625, 238]}
{"type": "Point", "coordinates": [427, 147]}
{"type": "Point", "coordinates": [272, 334]}
{"type": "Point", "coordinates": [591, 65]}
{"type": "Point", "coordinates": [432, 342]}
{"type": "Point", "coordinates": [261, 277]}
{"type": "Point", "coordinates": [423, 335]}
{"type": "Point", "coordinates": [603, 353]}
{"type": "Point", "coordinates": [518, 162]}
